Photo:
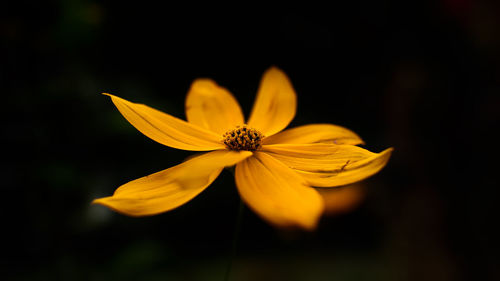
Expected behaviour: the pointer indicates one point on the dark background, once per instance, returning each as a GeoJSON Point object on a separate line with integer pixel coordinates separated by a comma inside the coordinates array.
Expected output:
{"type": "Point", "coordinates": [422, 77]}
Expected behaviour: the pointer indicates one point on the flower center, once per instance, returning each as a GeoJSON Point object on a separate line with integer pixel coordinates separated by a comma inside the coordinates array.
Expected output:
{"type": "Point", "coordinates": [242, 138]}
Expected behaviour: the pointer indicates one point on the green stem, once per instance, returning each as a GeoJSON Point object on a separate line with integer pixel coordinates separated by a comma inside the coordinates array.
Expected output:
{"type": "Point", "coordinates": [236, 238]}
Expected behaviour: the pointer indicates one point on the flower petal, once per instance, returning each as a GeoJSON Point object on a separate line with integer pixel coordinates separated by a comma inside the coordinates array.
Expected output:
{"type": "Point", "coordinates": [212, 107]}
{"type": "Point", "coordinates": [328, 165]}
{"type": "Point", "coordinates": [171, 188]}
{"type": "Point", "coordinates": [277, 193]}
{"type": "Point", "coordinates": [275, 104]}
{"type": "Point", "coordinates": [313, 133]}
{"type": "Point", "coordinates": [166, 129]}
{"type": "Point", "coordinates": [342, 200]}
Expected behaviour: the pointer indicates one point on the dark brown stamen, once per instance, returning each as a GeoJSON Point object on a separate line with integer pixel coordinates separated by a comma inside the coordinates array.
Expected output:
{"type": "Point", "coordinates": [242, 138]}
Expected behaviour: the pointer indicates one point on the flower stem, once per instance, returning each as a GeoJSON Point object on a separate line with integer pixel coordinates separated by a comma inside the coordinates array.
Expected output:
{"type": "Point", "coordinates": [236, 237]}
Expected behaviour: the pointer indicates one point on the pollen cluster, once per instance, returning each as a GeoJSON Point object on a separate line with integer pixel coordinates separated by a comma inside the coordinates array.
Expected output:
{"type": "Point", "coordinates": [242, 138]}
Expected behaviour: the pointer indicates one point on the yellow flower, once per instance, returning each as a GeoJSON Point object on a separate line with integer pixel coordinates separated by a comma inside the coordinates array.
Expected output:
{"type": "Point", "coordinates": [275, 170]}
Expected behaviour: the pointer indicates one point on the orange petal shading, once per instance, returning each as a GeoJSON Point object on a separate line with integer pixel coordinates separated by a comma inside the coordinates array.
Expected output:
{"type": "Point", "coordinates": [277, 193]}
{"type": "Point", "coordinates": [275, 104]}
{"type": "Point", "coordinates": [342, 200]}
{"type": "Point", "coordinates": [212, 107]}
{"type": "Point", "coordinates": [329, 165]}
{"type": "Point", "coordinates": [314, 133]}
{"type": "Point", "coordinates": [171, 188]}
{"type": "Point", "coordinates": [166, 129]}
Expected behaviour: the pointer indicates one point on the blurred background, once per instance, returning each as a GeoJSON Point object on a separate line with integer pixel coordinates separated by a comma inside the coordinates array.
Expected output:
{"type": "Point", "coordinates": [420, 76]}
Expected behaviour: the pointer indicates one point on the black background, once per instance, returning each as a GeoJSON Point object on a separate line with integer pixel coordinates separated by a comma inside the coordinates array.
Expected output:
{"type": "Point", "coordinates": [422, 77]}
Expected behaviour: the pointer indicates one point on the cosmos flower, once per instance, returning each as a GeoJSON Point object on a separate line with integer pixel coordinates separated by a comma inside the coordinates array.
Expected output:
{"type": "Point", "coordinates": [276, 171]}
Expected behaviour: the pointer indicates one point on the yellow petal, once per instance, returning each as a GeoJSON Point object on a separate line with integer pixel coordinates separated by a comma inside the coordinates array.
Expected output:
{"type": "Point", "coordinates": [171, 188]}
{"type": "Point", "coordinates": [275, 104]}
{"type": "Point", "coordinates": [277, 193]}
{"type": "Point", "coordinates": [166, 129]}
{"type": "Point", "coordinates": [313, 133]}
{"type": "Point", "coordinates": [328, 165]}
{"type": "Point", "coordinates": [342, 200]}
{"type": "Point", "coordinates": [212, 107]}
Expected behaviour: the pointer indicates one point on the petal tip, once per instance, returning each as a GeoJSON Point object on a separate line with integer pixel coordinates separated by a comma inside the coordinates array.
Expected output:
{"type": "Point", "coordinates": [384, 156]}
{"type": "Point", "coordinates": [274, 68]}
{"type": "Point", "coordinates": [203, 82]}
{"type": "Point", "coordinates": [309, 224]}
{"type": "Point", "coordinates": [113, 97]}
{"type": "Point", "coordinates": [275, 71]}
{"type": "Point", "coordinates": [312, 226]}
{"type": "Point", "coordinates": [99, 201]}
{"type": "Point", "coordinates": [388, 151]}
